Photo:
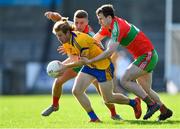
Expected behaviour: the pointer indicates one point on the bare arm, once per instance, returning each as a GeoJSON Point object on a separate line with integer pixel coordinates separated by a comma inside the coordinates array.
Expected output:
{"type": "Point", "coordinates": [112, 46]}
{"type": "Point", "coordinates": [98, 37]}
{"type": "Point", "coordinates": [69, 64]}
{"type": "Point", "coordinates": [73, 64]}
{"type": "Point", "coordinates": [72, 61]}
{"type": "Point", "coordinates": [54, 16]}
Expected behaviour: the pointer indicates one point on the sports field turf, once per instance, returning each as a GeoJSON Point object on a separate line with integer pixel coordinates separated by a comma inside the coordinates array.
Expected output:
{"type": "Point", "coordinates": [24, 112]}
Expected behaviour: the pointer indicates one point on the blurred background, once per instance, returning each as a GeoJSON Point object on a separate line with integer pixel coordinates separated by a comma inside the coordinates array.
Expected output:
{"type": "Point", "coordinates": [27, 43]}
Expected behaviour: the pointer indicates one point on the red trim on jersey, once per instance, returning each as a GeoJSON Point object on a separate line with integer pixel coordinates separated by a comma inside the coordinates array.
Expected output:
{"type": "Point", "coordinates": [87, 29]}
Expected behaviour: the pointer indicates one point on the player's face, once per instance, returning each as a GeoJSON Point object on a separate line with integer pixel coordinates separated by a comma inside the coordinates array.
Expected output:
{"type": "Point", "coordinates": [80, 23]}
{"type": "Point", "coordinates": [63, 38]}
{"type": "Point", "coordinates": [104, 21]}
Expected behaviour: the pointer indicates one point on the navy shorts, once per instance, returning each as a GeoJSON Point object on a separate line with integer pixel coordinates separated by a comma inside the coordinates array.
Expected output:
{"type": "Point", "coordinates": [100, 75]}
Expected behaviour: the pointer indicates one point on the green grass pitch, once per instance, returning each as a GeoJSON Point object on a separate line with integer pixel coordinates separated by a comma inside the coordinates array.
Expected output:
{"type": "Point", "coordinates": [25, 112]}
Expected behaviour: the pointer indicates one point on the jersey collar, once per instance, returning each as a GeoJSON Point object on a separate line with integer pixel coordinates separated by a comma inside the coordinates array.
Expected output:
{"type": "Point", "coordinates": [86, 29]}
{"type": "Point", "coordinates": [73, 35]}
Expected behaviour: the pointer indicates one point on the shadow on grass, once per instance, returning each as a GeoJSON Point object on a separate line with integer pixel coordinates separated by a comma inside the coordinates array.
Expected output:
{"type": "Point", "coordinates": [148, 122]}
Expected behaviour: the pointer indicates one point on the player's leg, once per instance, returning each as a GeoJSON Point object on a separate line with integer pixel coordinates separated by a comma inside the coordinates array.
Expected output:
{"type": "Point", "coordinates": [58, 83]}
{"type": "Point", "coordinates": [131, 74]}
{"type": "Point", "coordinates": [81, 83]}
{"type": "Point", "coordinates": [146, 82]}
{"type": "Point", "coordinates": [118, 98]}
{"type": "Point", "coordinates": [105, 79]}
{"type": "Point", "coordinates": [111, 107]}
{"type": "Point", "coordinates": [140, 67]}
{"type": "Point", "coordinates": [57, 90]}
{"type": "Point", "coordinates": [117, 88]}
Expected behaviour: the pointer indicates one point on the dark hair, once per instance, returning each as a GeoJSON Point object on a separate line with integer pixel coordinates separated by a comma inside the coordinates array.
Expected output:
{"type": "Point", "coordinates": [106, 10]}
{"type": "Point", "coordinates": [81, 14]}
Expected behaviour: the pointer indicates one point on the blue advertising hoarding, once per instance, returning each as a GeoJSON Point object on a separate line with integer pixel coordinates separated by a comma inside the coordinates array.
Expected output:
{"type": "Point", "coordinates": [28, 2]}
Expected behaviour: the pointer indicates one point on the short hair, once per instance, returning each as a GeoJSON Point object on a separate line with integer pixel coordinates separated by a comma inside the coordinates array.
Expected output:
{"type": "Point", "coordinates": [80, 14]}
{"type": "Point", "coordinates": [63, 26]}
{"type": "Point", "coordinates": [106, 10]}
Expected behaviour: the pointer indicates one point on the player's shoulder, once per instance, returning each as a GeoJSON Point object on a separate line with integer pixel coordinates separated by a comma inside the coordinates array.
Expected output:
{"type": "Point", "coordinates": [79, 35]}
{"type": "Point", "coordinates": [76, 33]}
{"type": "Point", "coordinates": [83, 39]}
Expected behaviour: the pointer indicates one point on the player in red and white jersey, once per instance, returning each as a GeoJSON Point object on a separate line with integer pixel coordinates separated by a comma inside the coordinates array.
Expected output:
{"type": "Point", "coordinates": [126, 35]}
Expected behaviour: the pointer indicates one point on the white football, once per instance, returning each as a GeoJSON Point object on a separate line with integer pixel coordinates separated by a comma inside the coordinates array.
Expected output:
{"type": "Point", "coordinates": [53, 67]}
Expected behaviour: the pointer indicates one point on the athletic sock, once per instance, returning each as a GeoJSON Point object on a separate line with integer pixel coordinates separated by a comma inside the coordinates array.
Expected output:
{"type": "Point", "coordinates": [112, 110]}
{"type": "Point", "coordinates": [148, 101]}
{"type": "Point", "coordinates": [55, 101]}
{"type": "Point", "coordinates": [92, 115]}
{"type": "Point", "coordinates": [163, 109]}
{"type": "Point", "coordinates": [132, 102]}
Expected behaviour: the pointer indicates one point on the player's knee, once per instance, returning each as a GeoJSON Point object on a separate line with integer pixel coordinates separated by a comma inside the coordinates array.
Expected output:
{"type": "Point", "coordinates": [76, 92]}
{"type": "Point", "coordinates": [108, 100]}
{"type": "Point", "coordinates": [56, 85]}
{"type": "Point", "coordinates": [59, 82]}
{"type": "Point", "coordinates": [148, 90]}
{"type": "Point", "coordinates": [124, 82]}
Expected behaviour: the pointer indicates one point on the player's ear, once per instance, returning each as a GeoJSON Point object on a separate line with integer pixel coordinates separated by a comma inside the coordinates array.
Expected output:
{"type": "Point", "coordinates": [109, 17]}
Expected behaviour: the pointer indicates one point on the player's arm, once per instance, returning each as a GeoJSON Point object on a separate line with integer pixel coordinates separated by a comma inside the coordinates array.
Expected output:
{"type": "Point", "coordinates": [73, 64]}
{"type": "Point", "coordinates": [70, 65]}
{"type": "Point", "coordinates": [77, 62]}
{"type": "Point", "coordinates": [112, 46]}
{"type": "Point", "coordinates": [98, 37]}
{"type": "Point", "coordinates": [70, 59]}
{"type": "Point", "coordinates": [54, 16]}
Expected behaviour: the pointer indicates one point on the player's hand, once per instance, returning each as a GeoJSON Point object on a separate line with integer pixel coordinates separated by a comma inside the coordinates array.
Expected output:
{"type": "Point", "coordinates": [62, 70]}
{"type": "Point", "coordinates": [61, 50]}
{"type": "Point", "coordinates": [85, 60]}
{"type": "Point", "coordinates": [54, 16]}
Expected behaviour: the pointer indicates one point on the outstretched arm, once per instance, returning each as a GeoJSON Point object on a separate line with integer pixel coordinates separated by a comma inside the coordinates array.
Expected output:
{"type": "Point", "coordinates": [72, 61]}
{"type": "Point", "coordinates": [73, 64]}
{"type": "Point", "coordinates": [54, 16]}
{"type": "Point", "coordinates": [98, 37]}
{"type": "Point", "coordinates": [112, 46]}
